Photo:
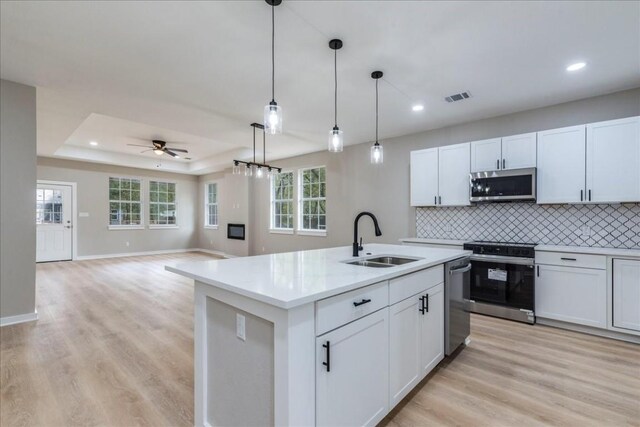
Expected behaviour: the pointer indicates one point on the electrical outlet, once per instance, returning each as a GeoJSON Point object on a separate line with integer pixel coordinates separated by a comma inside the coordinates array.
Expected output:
{"type": "Point", "coordinates": [448, 228]}
{"type": "Point", "coordinates": [240, 327]}
{"type": "Point", "coordinates": [585, 231]}
{"type": "Point", "coordinates": [127, 244]}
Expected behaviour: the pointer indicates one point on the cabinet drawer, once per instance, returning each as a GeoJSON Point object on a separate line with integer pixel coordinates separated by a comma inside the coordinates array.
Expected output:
{"type": "Point", "coordinates": [344, 308]}
{"type": "Point", "coordinates": [405, 286]}
{"type": "Point", "coordinates": [572, 260]}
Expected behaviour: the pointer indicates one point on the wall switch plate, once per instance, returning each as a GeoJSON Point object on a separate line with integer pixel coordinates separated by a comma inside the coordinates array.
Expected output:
{"type": "Point", "coordinates": [127, 243]}
{"type": "Point", "coordinates": [240, 327]}
{"type": "Point", "coordinates": [585, 230]}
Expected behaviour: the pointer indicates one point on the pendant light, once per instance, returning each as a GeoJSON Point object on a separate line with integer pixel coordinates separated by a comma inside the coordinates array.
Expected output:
{"type": "Point", "coordinates": [376, 149]}
{"type": "Point", "coordinates": [336, 143]}
{"type": "Point", "coordinates": [272, 111]}
{"type": "Point", "coordinates": [253, 168]}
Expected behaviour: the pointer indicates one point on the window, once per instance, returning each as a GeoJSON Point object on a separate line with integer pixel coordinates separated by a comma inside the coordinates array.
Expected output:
{"type": "Point", "coordinates": [282, 202]}
{"type": "Point", "coordinates": [48, 206]}
{"type": "Point", "coordinates": [162, 203]}
{"type": "Point", "coordinates": [211, 206]}
{"type": "Point", "coordinates": [125, 206]}
{"type": "Point", "coordinates": [313, 189]}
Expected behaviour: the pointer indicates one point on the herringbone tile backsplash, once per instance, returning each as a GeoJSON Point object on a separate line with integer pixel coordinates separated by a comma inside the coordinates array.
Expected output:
{"type": "Point", "coordinates": [612, 226]}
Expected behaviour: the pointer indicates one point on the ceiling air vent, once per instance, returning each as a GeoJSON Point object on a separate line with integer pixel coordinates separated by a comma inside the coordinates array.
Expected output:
{"type": "Point", "coordinates": [458, 97]}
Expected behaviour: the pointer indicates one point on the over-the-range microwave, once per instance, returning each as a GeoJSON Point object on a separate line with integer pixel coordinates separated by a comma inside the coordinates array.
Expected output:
{"type": "Point", "coordinates": [503, 185]}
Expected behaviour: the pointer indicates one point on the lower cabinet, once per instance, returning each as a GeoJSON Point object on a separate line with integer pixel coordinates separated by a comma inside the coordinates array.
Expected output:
{"type": "Point", "coordinates": [416, 339]}
{"type": "Point", "coordinates": [352, 374]}
{"type": "Point", "coordinates": [572, 294]}
{"type": "Point", "coordinates": [626, 294]}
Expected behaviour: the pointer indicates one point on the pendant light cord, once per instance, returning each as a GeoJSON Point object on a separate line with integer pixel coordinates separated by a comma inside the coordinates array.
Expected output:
{"type": "Point", "coordinates": [254, 144]}
{"type": "Point", "coordinates": [264, 147]}
{"type": "Point", "coordinates": [377, 111]}
{"type": "Point", "coordinates": [273, 60]}
{"type": "Point", "coordinates": [335, 76]}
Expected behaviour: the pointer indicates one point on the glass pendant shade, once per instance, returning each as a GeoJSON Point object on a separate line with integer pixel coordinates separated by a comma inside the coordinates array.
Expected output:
{"type": "Point", "coordinates": [259, 172]}
{"type": "Point", "coordinates": [272, 118]}
{"type": "Point", "coordinates": [336, 143]}
{"type": "Point", "coordinates": [248, 171]}
{"type": "Point", "coordinates": [236, 169]}
{"type": "Point", "coordinates": [376, 154]}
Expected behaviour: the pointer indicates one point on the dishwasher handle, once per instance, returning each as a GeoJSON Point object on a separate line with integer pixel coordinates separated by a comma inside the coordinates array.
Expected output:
{"type": "Point", "coordinates": [461, 269]}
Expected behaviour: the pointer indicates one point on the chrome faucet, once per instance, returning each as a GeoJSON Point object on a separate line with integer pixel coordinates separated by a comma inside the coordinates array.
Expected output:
{"type": "Point", "coordinates": [357, 247]}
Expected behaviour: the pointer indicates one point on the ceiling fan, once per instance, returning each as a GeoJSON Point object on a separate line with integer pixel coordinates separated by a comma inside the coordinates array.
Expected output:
{"type": "Point", "coordinates": [160, 147]}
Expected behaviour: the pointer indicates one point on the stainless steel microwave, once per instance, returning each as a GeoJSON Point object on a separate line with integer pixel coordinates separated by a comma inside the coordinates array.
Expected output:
{"type": "Point", "coordinates": [504, 185]}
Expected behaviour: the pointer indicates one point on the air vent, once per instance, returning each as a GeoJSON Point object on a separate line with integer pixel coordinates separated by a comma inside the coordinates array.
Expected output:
{"type": "Point", "coordinates": [458, 97]}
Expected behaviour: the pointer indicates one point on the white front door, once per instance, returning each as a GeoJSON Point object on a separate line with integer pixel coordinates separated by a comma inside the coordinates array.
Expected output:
{"type": "Point", "coordinates": [53, 222]}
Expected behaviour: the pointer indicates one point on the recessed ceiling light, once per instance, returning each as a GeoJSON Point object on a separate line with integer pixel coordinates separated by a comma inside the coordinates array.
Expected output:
{"type": "Point", "coordinates": [577, 66]}
{"type": "Point", "coordinates": [418, 107]}
{"type": "Point", "coordinates": [94, 143]}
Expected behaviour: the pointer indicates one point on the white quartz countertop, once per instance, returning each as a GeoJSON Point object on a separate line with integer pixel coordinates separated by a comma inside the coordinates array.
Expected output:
{"type": "Point", "coordinates": [590, 250]}
{"type": "Point", "coordinates": [291, 279]}
{"type": "Point", "coordinates": [434, 241]}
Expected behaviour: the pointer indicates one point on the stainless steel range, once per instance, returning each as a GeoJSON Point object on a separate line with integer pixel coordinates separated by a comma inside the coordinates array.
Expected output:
{"type": "Point", "coordinates": [503, 280]}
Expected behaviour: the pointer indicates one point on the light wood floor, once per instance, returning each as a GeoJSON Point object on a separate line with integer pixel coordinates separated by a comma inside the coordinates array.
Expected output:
{"type": "Point", "coordinates": [114, 346]}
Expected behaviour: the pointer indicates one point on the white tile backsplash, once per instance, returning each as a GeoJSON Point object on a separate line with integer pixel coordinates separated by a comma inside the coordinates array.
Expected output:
{"type": "Point", "coordinates": [611, 226]}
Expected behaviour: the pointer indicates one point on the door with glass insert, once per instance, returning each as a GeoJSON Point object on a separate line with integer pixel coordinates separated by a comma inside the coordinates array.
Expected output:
{"type": "Point", "coordinates": [53, 223]}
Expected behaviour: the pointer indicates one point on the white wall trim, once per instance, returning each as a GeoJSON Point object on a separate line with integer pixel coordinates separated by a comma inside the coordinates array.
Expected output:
{"type": "Point", "coordinates": [20, 318]}
{"type": "Point", "coordinates": [160, 252]}
{"type": "Point", "coordinates": [74, 211]}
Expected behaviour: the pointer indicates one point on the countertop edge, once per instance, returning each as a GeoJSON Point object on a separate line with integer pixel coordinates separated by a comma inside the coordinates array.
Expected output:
{"type": "Point", "coordinates": [633, 253]}
{"type": "Point", "coordinates": [404, 269]}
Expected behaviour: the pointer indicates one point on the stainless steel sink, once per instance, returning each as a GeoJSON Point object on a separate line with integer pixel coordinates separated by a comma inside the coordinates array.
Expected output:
{"type": "Point", "coordinates": [392, 260]}
{"type": "Point", "coordinates": [383, 261]}
{"type": "Point", "coordinates": [365, 263]}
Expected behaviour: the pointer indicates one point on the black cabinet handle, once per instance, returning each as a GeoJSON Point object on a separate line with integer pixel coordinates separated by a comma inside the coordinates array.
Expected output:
{"type": "Point", "coordinates": [581, 197]}
{"type": "Point", "coordinates": [426, 303]}
{"type": "Point", "coordinates": [498, 164]}
{"type": "Point", "coordinates": [589, 195]}
{"type": "Point", "coordinates": [435, 200]}
{"type": "Point", "coordinates": [504, 163]}
{"type": "Point", "coordinates": [421, 309]}
{"type": "Point", "coordinates": [568, 259]}
{"type": "Point", "coordinates": [538, 270]}
{"type": "Point", "coordinates": [328, 362]}
{"type": "Point", "coordinates": [440, 199]}
{"type": "Point", "coordinates": [364, 301]}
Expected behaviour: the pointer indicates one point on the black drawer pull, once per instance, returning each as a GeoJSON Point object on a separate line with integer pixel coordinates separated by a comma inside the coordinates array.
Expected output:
{"type": "Point", "coordinates": [364, 301]}
{"type": "Point", "coordinates": [328, 362]}
{"type": "Point", "coordinates": [421, 309]}
{"type": "Point", "coordinates": [426, 303]}
{"type": "Point", "coordinates": [568, 259]}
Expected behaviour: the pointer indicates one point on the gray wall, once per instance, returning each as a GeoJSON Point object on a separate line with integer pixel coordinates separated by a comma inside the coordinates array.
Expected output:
{"type": "Point", "coordinates": [94, 236]}
{"type": "Point", "coordinates": [233, 207]}
{"type": "Point", "coordinates": [354, 185]}
{"type": "Point", "coordinates": [17, 199]}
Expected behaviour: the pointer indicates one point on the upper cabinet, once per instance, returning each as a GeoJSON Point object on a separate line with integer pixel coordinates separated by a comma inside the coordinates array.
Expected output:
{"type": "Point", "coordinates": [440, 176]}
{"type": "Point", "coordinates": [511, 152]}
{"type": "Point", "coordinates": [594, 163]}
{"type": "Point", "coordinates": [561, 168]}
{"type": "Point", "coordinates": [613, 161]}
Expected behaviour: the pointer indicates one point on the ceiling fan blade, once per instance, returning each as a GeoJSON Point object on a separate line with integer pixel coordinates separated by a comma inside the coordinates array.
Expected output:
{"type": "Point", "coordinates": [137, 145]}
{"type": "Point", "coordinates": [144, 151]}
{"type": "Point", "coordinates": [179, 150]}
{"type": "Point", "coordinates": [171, 153]}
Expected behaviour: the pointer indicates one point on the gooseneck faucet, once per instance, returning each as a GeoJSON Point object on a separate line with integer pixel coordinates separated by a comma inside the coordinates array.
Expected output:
{"type": "Point", "coordinates": [357, 247]}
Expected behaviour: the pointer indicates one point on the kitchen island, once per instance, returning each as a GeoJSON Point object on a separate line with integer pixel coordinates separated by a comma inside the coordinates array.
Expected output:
{"type": "Point", "coordinates": [304, 338]}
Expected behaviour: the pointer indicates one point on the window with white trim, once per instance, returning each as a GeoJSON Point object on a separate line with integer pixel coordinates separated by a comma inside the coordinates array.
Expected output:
{"type": "Point", "coordinates": [282, 201]}
{"type": "Point", "coordinates": [211, 205]}
{"type": "Point", "coordinates": [125, 202]}
{"type": "Point", "coordinates": [162, 203]}
{"type": "Point", "coordinates": [313, 201]}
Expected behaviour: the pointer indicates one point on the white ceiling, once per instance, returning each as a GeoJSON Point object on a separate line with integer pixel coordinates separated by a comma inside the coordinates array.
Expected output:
{"type": "Point", "coordinates": [198, 73]}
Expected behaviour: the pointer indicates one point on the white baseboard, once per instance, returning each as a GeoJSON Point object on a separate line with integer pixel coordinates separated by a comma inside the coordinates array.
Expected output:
{"type": "Point", "coordinates": [161, 252]}
{"type": "Point", "coordinates": [588, 330]}
{"type": "Point", "coordinates": [20, 318]}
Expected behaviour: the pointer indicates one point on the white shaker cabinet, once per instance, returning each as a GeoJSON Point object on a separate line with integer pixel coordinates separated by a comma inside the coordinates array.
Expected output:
{"type": "Point", "coordinates": [486, 155]}
{"type": "Point", "coordinates": [561, 165]}
{"type": "Point", "coordinates": [626, 294]}
{"type": "Point", "coordinates": [352, 382]}
{"type": "Point", "coordinates": [416, 338]}
{"type": "Point", "coordinates": [572, 294]}
{"type": "Point", "coordinates": [424, 177]}
{"type": "Point", "coordinates": [453, 175]}
{"type": "Point", "coordinates": [519, 151]}
{"type": "Point", "coordinates": [613, 161]}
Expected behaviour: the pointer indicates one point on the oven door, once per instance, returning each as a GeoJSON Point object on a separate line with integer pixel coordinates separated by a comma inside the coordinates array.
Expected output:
{"type": "Point", "coordinates": [498, 280]}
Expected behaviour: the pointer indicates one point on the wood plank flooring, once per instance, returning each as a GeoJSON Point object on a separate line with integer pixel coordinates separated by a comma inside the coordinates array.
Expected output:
{"type": "Point", "coordinates": [114, 347]}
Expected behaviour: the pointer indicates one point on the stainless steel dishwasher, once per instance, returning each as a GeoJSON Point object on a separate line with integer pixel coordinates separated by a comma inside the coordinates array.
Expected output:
{"type": "Point", "coordinates": [457, 285]}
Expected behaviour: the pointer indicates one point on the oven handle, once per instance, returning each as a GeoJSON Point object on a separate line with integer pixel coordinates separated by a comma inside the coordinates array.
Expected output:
{"type": "Point", "coordinates": [502, 259]}
{"type": "Point", "coordinates": [461, 269]}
